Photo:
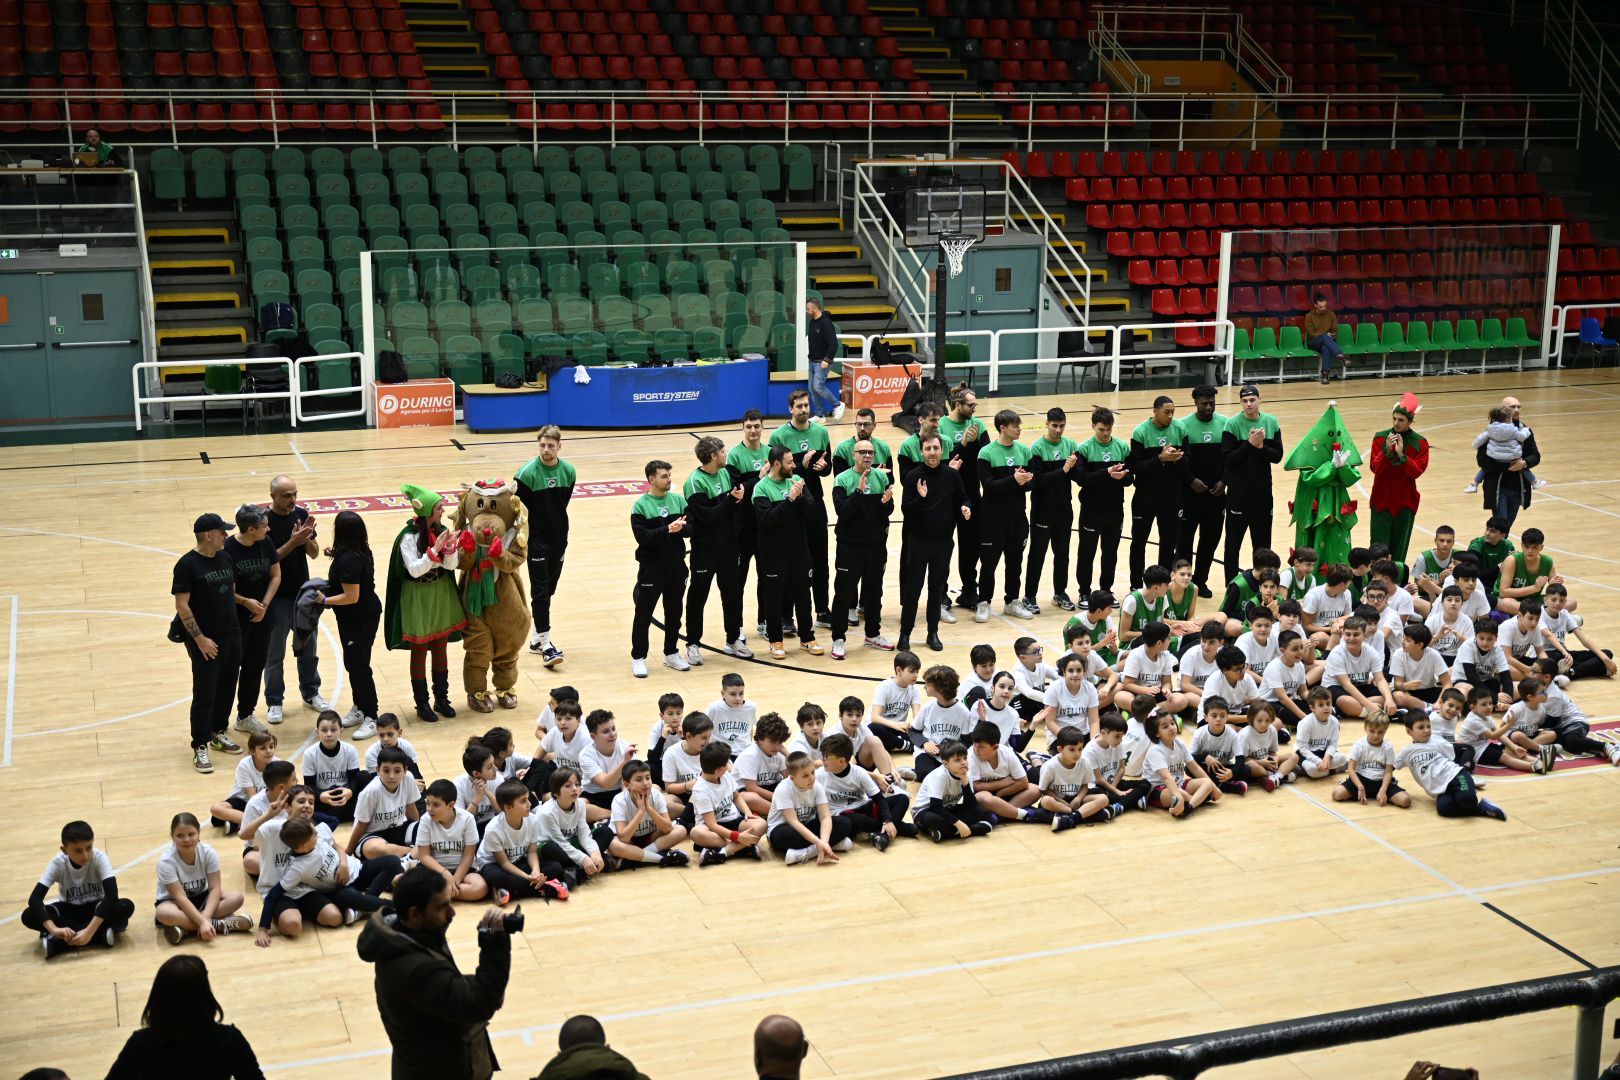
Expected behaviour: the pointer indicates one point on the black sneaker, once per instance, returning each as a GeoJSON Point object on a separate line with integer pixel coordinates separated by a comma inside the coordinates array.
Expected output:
{"type": "Point", "coordinates": [1062, 601]}
{"type": "Point", "coordinates": [1115, 809]}
{"type": "Point", "coordinates": [980, 828]}
{"type": "Point", "coordinates": [749, 852]}
{"type": "Point", "coordinates": [1065, 822]}
{"type": "Point", "coordinates": [1038, 817]}
{"type": "Point", "coordinates": [1030, 605]}
{"type": "Point", "coordinates": [936, 836]}
{"type": "Point", "coordinates": [1283, 735]}
{"type": "Point", "coordinates": [880, 840]}
{"type": "Point", "coordinates": [1490, 809]}
{"type": "Point", "coordinates": [674, 858]}
{"type": "Point", "coordinates": [1203, 591]}
{"type": "Point", "coordinates": [904, 644]}
{"type": "Point", "coordinates": [551, 656]}
{"type": "Point", "coordinates": [935, 644]}
{"type": "Point", "coordinates": [53, 946]}
{"type": "Point", "coordinates": [711, 857]}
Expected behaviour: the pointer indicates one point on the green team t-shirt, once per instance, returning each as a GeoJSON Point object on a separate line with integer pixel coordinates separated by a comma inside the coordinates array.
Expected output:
{"type": "Point", "coordinates": [1150, 434]}
{"type": "Point", "coordinates": [1146, 611]}
{"type": "Point", "coordinates": [773, 489]}
{"type": "Point", "coordinates": [538, 476]}
{"type": "Point", "coordinates": [813, 437]}
{"type": "Point", "coordinates": [1204, 432]}
{"type": "Point", "coordinates": [876, 482]}
{"type": "Point", "coordinates": [1044, 449]}
{"type": "Point", "coordinates": [1296, 586]}
{"type": "Point", "coordinates": [746, 462]}
{"type": "Point", "coordinates": [1432, 565]}
{"type": "Point", "coordinates": [881, 455]}
{"type": "Point", "coordinates": [1112, 452]}
{"type": "Point", "coordinates": [668, 505]}
{"type": "Point", "coordinates": [1239, 426]}
{"type": "Point", "coordinates": [1096, 632]}
{"type": "Point", "coordinates": [1015, 456]}
{"type": "Point", "coordinates": [911, 449]}
{"type": "Point", "coordinates": [714, 486]}
{"type": "Point", "coordinates": [951, 430]}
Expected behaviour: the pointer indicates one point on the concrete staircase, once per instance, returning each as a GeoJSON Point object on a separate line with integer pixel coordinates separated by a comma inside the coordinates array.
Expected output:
{"type": "Point", "coordinates": [839, 269]}
{"type": "Point", "coordinates": [454, 59]}
{"type": "Point", "coordinates": [202, 299]}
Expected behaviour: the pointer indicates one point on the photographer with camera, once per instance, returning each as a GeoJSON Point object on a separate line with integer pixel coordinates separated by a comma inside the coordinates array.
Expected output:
{"type": "Point", "coordinates": [435, 1016]}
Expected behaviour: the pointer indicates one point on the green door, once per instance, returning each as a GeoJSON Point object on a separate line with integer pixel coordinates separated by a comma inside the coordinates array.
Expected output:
{"type": "Point", "coordinates": [94, 319]}
{"type": "Point", "coordinates": [25, 390]}
{"type": "Point", "coordinates": [999, 288]}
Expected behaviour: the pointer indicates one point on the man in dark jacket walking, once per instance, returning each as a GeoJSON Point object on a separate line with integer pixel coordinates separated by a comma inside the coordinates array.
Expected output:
{"type": "Point", "coordinates": [823, 341]}
{"type": "Point", "coordinates": [436, 1017]}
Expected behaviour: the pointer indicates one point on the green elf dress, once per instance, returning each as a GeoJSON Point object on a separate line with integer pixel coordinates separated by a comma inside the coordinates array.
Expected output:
{"type": "Point", "coordinates": [1322, 510]}
{"type": "Point", "coordinates": [423, 610]}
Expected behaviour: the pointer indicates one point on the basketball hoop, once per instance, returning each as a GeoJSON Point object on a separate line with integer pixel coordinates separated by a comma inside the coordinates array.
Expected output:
{"type": "Point", "coordinates": [955, 247]}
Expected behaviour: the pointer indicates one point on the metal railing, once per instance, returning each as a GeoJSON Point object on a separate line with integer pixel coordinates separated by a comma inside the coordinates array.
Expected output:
{"type": "Point", "coordinates": [880, 236]}
{"type": "Point", "coordinates": [1218, 33]}
{"type": "Point", "coordinates": [1560, 329]}
{"type": "Point", "coordinates": [1055, 247]}
{"type": "Point", "coordinates": [1114, 62]}
{"type": "Point", "coordinates": [1059, 121]}
{"type": "Point", "coordinates": [293, 394]}
{"type": "Point", "coordinates": [1581, 44]}
{"type": "Point", "coordinates": [1110, 358]}
{"type": "Point", "coordinates": [1183, 1059]}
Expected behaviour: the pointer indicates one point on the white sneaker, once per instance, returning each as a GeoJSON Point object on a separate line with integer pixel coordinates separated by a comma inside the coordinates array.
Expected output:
{"type": "Point", "coordinates": [818, 420]}
{"type": "Point", "coordinates": [272, 715]}
{"type": "Point", "coordinates": [1578, 619]}
{"type": "Point", "coordinates": [1540, 484]}
{"type": "Point", "coordinates": [880, 642]}
{"type": "Point", "coordinates": [844, 845]}
{"type": "Point", "coordinates": [838, 411]}
{"type": "Point", "coordinates": [739, 649]}
{"type": "Point", "coordinates": [946, 615]}
{"type": "Point", "coordinates": [366, 730]}
{"type": "Point", "coordinates": [316, 702]}
{"type": "Point", "coordinates": [250, 724]}
{"type": "Point", "coordinates": [536, 642]}
{"type": "Point", "coordinates": [760, 630]}
{"type": "Point", "coordinates": [353, 718]}
{"type": "Point", "coordinates": [638, 668]}
{"type": "Point", "coordinates": [675, 660]}
{"type": "Point", "coordinates": [1561, 681]}
{"type": "Point", "coordinates": [1017, 610]}
{"type": "Point", "coordinates": [1471, 488]}
{"type": "Point", "coordinates": [982, 612]}
{"type": "Point", "coordinates": [799, 855]}
{"type": "Point", "coordinates": [694, 656]}
{"type": "Point", "coordinates": [838, 649]}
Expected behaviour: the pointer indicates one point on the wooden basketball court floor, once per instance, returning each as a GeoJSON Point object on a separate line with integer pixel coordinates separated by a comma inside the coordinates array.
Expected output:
{"type": "Point", "coordinates": [918, 962]}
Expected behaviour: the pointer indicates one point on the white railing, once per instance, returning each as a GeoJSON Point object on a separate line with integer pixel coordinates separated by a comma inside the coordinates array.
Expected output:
{"type": "Point", "coordinates": [1400, 119]}
{"type": "Point", "coordinates": [1560, 330]}
{"type": "Point", "coordinates": [1114, 61]}
{"type": "Point", "coordinates": [1218, 33]}
{"type": "Point", "coordinates": [1111, 357]}
{"type": "Point", "coordinates": [363, 390]}
{"type": "Point", "coordinates": [883, 240]}
{"type": "Point", "coordinates": [1053, 251]}
{"type": "Point", "coordinates": [1582, 45]}
{"type": "Point", "coordinates": [293, 395]}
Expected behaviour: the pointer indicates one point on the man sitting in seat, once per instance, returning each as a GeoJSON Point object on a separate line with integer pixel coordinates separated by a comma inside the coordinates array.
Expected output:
{"type": "Point", "coordinates": [1320, 323]}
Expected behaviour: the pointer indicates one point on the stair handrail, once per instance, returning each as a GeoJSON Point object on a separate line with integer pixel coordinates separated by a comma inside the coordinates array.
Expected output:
{"type": "Point", "coordinates": [1112, 60]}
{"type": "Point", "coordinates": [1251, 59]}
{"type": "Point", "coordinates": [1051, 250]}
{"type": "Point", "coordinates": [1567, 29]}
{"type": "Point", "coordinates": [888, 247]}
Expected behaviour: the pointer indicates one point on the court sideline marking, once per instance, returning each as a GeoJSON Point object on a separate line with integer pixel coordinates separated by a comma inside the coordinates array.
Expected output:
{"type": "Point", "coordinates": [11, 684]}
{"type": "Point", "coordinates": [1437, 875]}
{"type": "Point", "coordinates": [957, 967]}
{"type": "Point", "coordinates": [297, 454]}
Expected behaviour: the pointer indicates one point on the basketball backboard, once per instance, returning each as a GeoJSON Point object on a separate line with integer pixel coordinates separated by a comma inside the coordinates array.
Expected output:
{"type": "Point", "coordinates": [932, 211]}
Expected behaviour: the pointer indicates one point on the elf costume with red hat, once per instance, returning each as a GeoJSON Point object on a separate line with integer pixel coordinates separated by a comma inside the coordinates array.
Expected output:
{"type": "Point", "coordinates": [1399, 456]}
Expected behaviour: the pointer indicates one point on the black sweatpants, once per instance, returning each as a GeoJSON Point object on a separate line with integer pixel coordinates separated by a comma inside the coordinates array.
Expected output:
{"type": "Point", "coordinates": [501, 878]}
{"type": "Point", "coordinates": [815, 536]}
{"type": "Point", "coordinates": [858, 572]}
{"type": "Point", "coordinates": [719, 566]}
{"type": "Point", "coordinates": [1201, 518]}
{"type": "Point", "coordinates": [1099, 532]}
{"type": "Point", "coordinates": [255, 650]}
{"type": "Point", "coordinates": [359, 635]}
{"type": "Point", "coordinates": [545, 570]}
{"type": "Point", "coordinates": [656, 583]}
{"type": "Point", "coordinates": [114, 913]}
{"type": "Point", "coordinates": [213, 687]}
{"type": "Point", "coordinates": [943, 818]}
{"type": "Point", "coordinates": [1162, 512]}
{"type": "Point", "coordinates": [865, 819]}
{"type": "Point", "coordinates": [1245, 519]}
{"type": "Point", "coordinates": [1460, 799]}
{"type": "Point", "coordinates": [1002, 537]}
{"type": "Point", "coordinates": [1049, 528]}
{"type": "Point", "coordinates": [787, 595]}
{"type": "Point", "coordinates": [748, 551]}
{"type": "Point", "coordinates": [923, 558]}
{"type": "Point", "coordinates": [785, 838]}
{"type": "Point", "coordinates": [967, 558]}
{"type": "Point", "coordinates": [1576, 737]}
{"type": "Point", "coordinates": [1588, 664]}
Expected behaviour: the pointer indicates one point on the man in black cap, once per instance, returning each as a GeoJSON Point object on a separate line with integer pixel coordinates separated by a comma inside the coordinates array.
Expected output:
{"type": "Point", "coordinates": [1252, 443]}
{"type": "Point", "coordinates": [1204, 496]}
{"type": "Point", "coordinates": [205, 600]}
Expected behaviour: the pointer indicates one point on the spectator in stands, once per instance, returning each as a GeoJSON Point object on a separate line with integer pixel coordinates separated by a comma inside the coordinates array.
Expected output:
{"type": "Point", "coordinates": [583, 1052]}
{"type": "Point", "coordinates": [823, 337]}
{"type": "Point", "coordinates": [779, 1048]}
{"type": "Point", "coordinates": [1320, 323]}
{"type": "Point", "coordinates": [1508, 484]}
{"type": "Point", "coordinates": [106, 153]}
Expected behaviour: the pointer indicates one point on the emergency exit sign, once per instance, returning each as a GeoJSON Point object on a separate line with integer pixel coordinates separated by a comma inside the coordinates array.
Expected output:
{"type": "Point", "coordinates": [8, 253]}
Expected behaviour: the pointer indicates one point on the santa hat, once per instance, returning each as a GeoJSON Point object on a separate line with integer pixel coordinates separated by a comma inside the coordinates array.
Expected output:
{"type": "Point", "coordinates": [1408, 406]}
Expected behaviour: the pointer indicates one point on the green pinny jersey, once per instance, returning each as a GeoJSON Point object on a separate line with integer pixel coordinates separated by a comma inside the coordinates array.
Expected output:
{"type": "Point", "coordinates": [1147, 611]}
{"type": "Point", "coordinates": [1524, 577]}
{"type": "Point", "coordinates": [1096, 632]}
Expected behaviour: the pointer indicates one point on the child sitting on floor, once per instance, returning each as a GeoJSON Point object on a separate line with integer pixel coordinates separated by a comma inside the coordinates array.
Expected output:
{"type": "Point", "coordinates": [88, 909]}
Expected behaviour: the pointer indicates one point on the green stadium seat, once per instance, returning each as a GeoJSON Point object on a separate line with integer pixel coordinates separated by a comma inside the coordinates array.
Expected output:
{"type": "Point", "coordinates": [766, 164]}
{"type": "Point", "coordinates": [322, 320]}
{"type": "Point", "coordinates": [574, 315]}
{"type": "Point", "coordinates": [637, 187]}
{"type": "Point", "coordinates": [602, 280]}
{"type": "Point", "coordinates": [208, 173]}
{"type": "Point", "coordinates": [506, 354]}
{"type": "Point", "coordinates": [540, 217]}
{"type": "Point", "coordinates": [642, 279]}
{"type": "Point", "coordinates": [480, 159]}
{"type": "Point", "coordinates": [387, 252]}
{"type": "Point", "coordinates": [452, 317]}
{"type": "Point", "coordinates": [562, 279]}
{"type": "Point", "coordinates": [1265, 344]}
{"type": "Point", "coordinates": [421, 354]}
{"type": "Point", "coordinates": [1518, 335]}
{"type": "Point", "coordinates": [168, 174]}
{"type": "Point", "coordinates": [287, 159]}
{"type": "Point", "coordinates": [327, 159]}
{"type": "Point", "coordinates": [695, 158]}
{"type": "Point", "coordinates": [404, 159]}
{"type": "Point", "coordinates": [796, 162]}
{"type": "Point", "coordinates": [442, 158]}
{"type": "Point", "coordinates": [674, 186]}
{"type": "Point", "coordinates": [547, 344]}
{"type": "Point", "coordinates": [708, 343]}
{"type": "Point", "coordinates": [247, 160]}
{"type": "Point", "coordinates": [624, 159]}
{"type": "Point", "coordinates": [534, 316]}
{"type": "Point", "coordinates": [407, 317]}
{"type": "Point", "coordinates": [449, 188]}
{"type": "Point", "coordinates": [655, 313]}
{"type": "Point", "coordinates": [492, 316]}
{"type": "Point", "coordinates": [589, 158]}
{"type": "Point", "coordinates": [365, 159]}
{"type": "Point", "coordinates": [630, 346]}
{"type": "Point", "coordinates": [565, 187]}
{"type": "Point", "coordinates": [1417, 337]}
{"type": "Point", "coordinates": [615, 314]}
{"type": "Point", "coordinates": [671, 344]}
{"type": "Point", "coordinates": [522, 281]}
{"type": "Point", "coordinates": [659, 160]}
{"type": "Point", "coordinates": [1393, 339]}
{"type": "Point", "coordinates": [551, 160]}
{"type": "Point", "coordinates": [483, 283]}
{"type": "Point", "coordinates": [252, 190]}
{"type": "Point", "coordinates": [464, 358]}
{"type": "Point", "coordinates": [514, 159]}
{"type": "Point", "coordinates": [440, 282]}
{"type": "Point", "coordinates": [400, 283]}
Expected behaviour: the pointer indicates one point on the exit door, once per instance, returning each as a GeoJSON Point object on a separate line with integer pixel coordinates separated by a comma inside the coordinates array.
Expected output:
{"type": "Point", "coordinates": [999, 288]}
{"type": "Point", "coordinates": [67, 343]}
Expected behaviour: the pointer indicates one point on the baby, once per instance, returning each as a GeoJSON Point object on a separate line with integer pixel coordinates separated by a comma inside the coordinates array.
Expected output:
{"type": "Point", "coordinates": [1502, 439]}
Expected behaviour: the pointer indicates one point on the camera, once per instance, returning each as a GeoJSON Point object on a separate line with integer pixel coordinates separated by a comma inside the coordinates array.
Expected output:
{"type": "Point", "coordinates": [512, 921]}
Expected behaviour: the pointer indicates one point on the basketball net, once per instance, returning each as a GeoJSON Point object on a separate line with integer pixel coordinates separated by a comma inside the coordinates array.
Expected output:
{"type": "Point", "coordinates": [955, 246]}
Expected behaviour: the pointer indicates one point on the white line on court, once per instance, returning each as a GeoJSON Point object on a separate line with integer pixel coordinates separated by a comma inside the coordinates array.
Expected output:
{"type": "Point", "coordinates": [298, 455]}
{"type": "Point", "coordinates": [1595, 509]}
{"type": "Point", "coordinates": [989, 962]}
{"type": "Point", "coordinates": [92, 539]}
{"type": "Point", "coordinates": [1394, 849]}
{"type": "Point", "coordinates": [11, 685]}
{"type": "Point", "coordinates": [116, 871]}
{"type": "Point", "coordinates": [105, 723]}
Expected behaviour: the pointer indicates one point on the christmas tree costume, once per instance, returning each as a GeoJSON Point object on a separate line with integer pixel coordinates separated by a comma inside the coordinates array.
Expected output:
{"type": "Point", "coordinates": [1322, 510]}
{"type": "Point", "coordinates": [422, 611]}
{"type": "Point", "coordinates": [1399, 456]}
{"type": "Point", "coordinates": [492, 593]}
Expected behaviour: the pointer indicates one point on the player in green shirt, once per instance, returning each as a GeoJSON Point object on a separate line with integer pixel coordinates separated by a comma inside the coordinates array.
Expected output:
{"type": "Point", "coordinates": [963, 437]}
{"type": "Point", "coordinates": [844, 452]}
{"type": "Point", "coordinates": [1055, 459]}
{"type": "Point", "coordinates": [1005, 479]}
{"type": "Point", "coordinates": [1157, 450]}
{"type": "Point", "coordinates": [1204, 493]}
{"type": "Point", "coordinates": [781, 505]}
{"type": "Point", "coordinates": [714, 501]}
{"type": "Point", "coordinates": [910, 453]}
{"type": "Point", "coordinates": [812, 460]}
{"type": "Point", "coordinates": [1252, 443]}
{"type": "Point", "coordinates": [1104, 476]}
{"type": "Point", "coordinates": [658, 521]}
{"type": "Point", "coordinates": [747, 463]}
{"type": "Point", "coordinates": [1491, 549]}
{"type": "Point", "coordinates": [544, 487]}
